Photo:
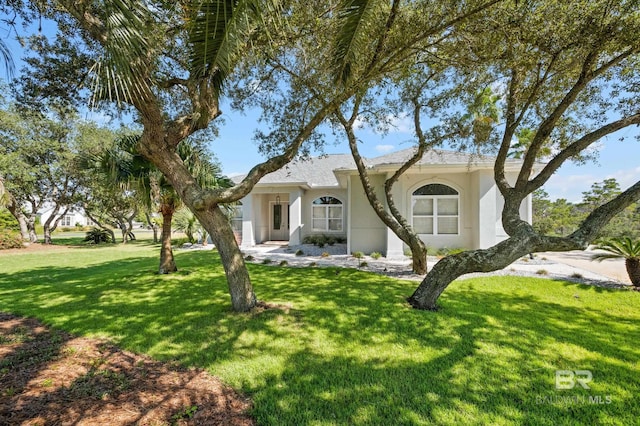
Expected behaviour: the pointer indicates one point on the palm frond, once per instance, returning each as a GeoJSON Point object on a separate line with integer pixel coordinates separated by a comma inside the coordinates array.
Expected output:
{"type": "Point", "coordinates": [219, 31]}
{"type": "Point", "coordinates": [355, 19]}
{"type": "Point", "coordinates": [617, 248]}
{"type": "Point", "coordinates": [122, 74]}
{"type": "Point", "coordinates": [200, 165]}
{"type": "Point", "coordinates": [9, 65]}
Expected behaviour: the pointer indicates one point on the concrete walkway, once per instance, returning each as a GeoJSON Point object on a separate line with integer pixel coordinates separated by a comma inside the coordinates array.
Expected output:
{"type": "Point", "coordinates": [612, 268]}
{"type": "Point", "coordinates": [572, 266]}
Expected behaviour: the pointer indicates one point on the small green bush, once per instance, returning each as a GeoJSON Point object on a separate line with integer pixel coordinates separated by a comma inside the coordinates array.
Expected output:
{"type": "Point", "coordinates": [325, 254]}
{"type": "Point", "coordinates": [7, 221]}
{"type": "Point", "coordinates": [322, 240]}
{"type": "Point", "coordinates": [299, 252]}
{"type": "Point", "coordinates": [542, 272]}
{"type": "Point", "coordinates": [10, 239]}
{"type": "Point", "coordinates": [357, 254]}
{"type": "Point", "coordinates": [283, 263]}
{"type": "Point", "coordinates": [375, 255]}
{"type": "Point", "coordinates": [97, 236]}
{"type": "Point", "coordinates": [266, 261]}
{"type": "Point", "coordinates": [249, 258]}
{"type": "Point", "coordinates": [363, 264]}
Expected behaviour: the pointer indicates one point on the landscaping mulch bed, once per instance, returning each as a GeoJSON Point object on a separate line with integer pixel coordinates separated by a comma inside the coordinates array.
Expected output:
{"type": "Point", "coordinates": [48, 377]}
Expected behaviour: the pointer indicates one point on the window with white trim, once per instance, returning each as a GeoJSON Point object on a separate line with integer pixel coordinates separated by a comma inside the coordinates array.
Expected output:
{"type": "Point", "coordinates": [66, 220]}
{"type": "Point", "coordinates": [326, 214]}
{"type": "Point", "coordinates": [435, 210]}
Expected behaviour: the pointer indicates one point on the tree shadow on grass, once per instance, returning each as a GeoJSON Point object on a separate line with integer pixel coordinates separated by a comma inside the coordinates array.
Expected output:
{"type": "Point", "coordinates": [346, 348]}
{"type": "Point", "coordinates": [496, 366]}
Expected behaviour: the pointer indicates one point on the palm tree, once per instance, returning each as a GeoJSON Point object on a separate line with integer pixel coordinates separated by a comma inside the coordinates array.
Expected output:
{"type": "Point", "coordinates": [127, 168]}
{"type": "Point", "coordinates": [622, 248]}
{"type": "Point", "coordinates": [185, 221]}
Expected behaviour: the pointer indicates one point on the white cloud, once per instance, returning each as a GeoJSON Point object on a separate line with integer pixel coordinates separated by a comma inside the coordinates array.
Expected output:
{"type": "Point", "coordinates": [626, 178]}
{"type": "Point", "coordinates": [571, 187]}
{"type": "Point", "coordinates": [359, 123]}
{"type": "Point", "coordinates": [384, 148]}
{"type": "Point", "coordinates": [401, 124]}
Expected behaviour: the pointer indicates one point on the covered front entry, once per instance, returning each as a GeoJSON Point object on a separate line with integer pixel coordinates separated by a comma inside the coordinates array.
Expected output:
{"type": "Point", "coordinates": [279, 221]}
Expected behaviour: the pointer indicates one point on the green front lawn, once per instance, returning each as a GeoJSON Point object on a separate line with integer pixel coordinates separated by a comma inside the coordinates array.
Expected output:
{"type": "Point", "coordinates": [344, 348]}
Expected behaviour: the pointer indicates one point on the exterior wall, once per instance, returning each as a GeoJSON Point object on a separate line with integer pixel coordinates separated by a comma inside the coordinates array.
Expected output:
{"type": "Point", "coordinates": [367, 232]}
{"type": "Point", "coordinates": [487, 212]}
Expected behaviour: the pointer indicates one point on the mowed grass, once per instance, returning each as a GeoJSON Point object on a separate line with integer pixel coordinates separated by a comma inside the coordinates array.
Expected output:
{"type": "Point", "coordinates": [345, 348]}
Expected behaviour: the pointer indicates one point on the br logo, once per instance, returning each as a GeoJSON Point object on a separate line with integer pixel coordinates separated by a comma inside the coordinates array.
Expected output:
{"type": "Point", "coordinates": [567, 379]}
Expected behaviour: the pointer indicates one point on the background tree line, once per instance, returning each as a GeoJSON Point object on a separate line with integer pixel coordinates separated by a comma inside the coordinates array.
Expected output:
{"type": "Point", "coordinates": [561, 217]}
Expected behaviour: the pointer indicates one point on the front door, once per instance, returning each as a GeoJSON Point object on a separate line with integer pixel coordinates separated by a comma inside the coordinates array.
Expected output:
{"type": "Point", "coordinates": [279, 222]}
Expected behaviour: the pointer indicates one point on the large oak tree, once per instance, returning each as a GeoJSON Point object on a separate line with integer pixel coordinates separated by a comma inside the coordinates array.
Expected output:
{"type": "Point", "coordinates": [569, 73]}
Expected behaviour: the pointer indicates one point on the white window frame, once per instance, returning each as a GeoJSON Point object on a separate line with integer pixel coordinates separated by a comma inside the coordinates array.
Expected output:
{"type": "Point", "coordinates": [327, 218]}
{"type": "Point", "coordinates": [66, 220]}
{"type": "Point", "coordinates": [434, 216]}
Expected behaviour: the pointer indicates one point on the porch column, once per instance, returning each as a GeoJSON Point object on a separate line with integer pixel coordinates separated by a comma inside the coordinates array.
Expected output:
{"type": "Point", "coordinates": [248, 238]}
{"type": "Point", "coordinates": [295, 217]}
{"type": "Point", "coordinates": [487, 215]}
{"type": "Point", "coordinates": [395, 246]}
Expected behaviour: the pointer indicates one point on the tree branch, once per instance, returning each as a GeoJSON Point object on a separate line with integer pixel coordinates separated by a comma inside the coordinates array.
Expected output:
{"type": "Point", "coordinates": [546, 127]}
{"type": "Point", "coordinates": [577, 147]}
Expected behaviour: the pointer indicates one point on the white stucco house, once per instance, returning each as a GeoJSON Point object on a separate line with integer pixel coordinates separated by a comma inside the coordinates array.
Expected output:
{"type": "Point", "coordinates": [450, 198]}
{"type": "Point", "coordinates": [72, 217]}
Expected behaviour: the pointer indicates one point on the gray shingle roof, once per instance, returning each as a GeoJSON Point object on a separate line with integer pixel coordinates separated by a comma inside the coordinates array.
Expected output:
{"type": "Point", "coordinates": [314, 172]}
{"type": "Point", "coordinates": [434, 156]}
{"type": "Point", "coordinates": [319, 171]}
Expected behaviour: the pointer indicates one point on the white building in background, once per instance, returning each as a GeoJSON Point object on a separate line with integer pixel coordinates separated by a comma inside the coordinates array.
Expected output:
{"type": "Point", "coordinates": [72, 218]}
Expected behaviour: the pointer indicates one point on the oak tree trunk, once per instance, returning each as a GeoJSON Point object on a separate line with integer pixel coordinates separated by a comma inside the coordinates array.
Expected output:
{"type": "Point", "coordinates": [17, 213]}
{"type": "Point", "coordinates": [217, 224]}
{"type": "Point", "coordinates": [454, 266]}
{"type": "Point", "coordinates": [50, 224]}
{"type": "Point", "coordinates": [418, 257]}
{"type": "Point", "coordinates": [167, 261]}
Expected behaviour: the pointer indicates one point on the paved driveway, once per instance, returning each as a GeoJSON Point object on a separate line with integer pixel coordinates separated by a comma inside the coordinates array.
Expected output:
{"type": "Point", "coordinates": [613, 268]}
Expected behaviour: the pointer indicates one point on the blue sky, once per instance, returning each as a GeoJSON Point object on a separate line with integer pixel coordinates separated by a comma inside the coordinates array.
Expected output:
{"type": "Point", "coordinates": [237, 152]}
{"type": "Point", "coordinates": [621, 160]}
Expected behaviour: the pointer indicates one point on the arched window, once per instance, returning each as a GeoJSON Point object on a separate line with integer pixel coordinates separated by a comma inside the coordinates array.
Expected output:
{"type": "Point", "coordinates": [435, 210]}
{"type": "Point", "coordinates": [326, 214]}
